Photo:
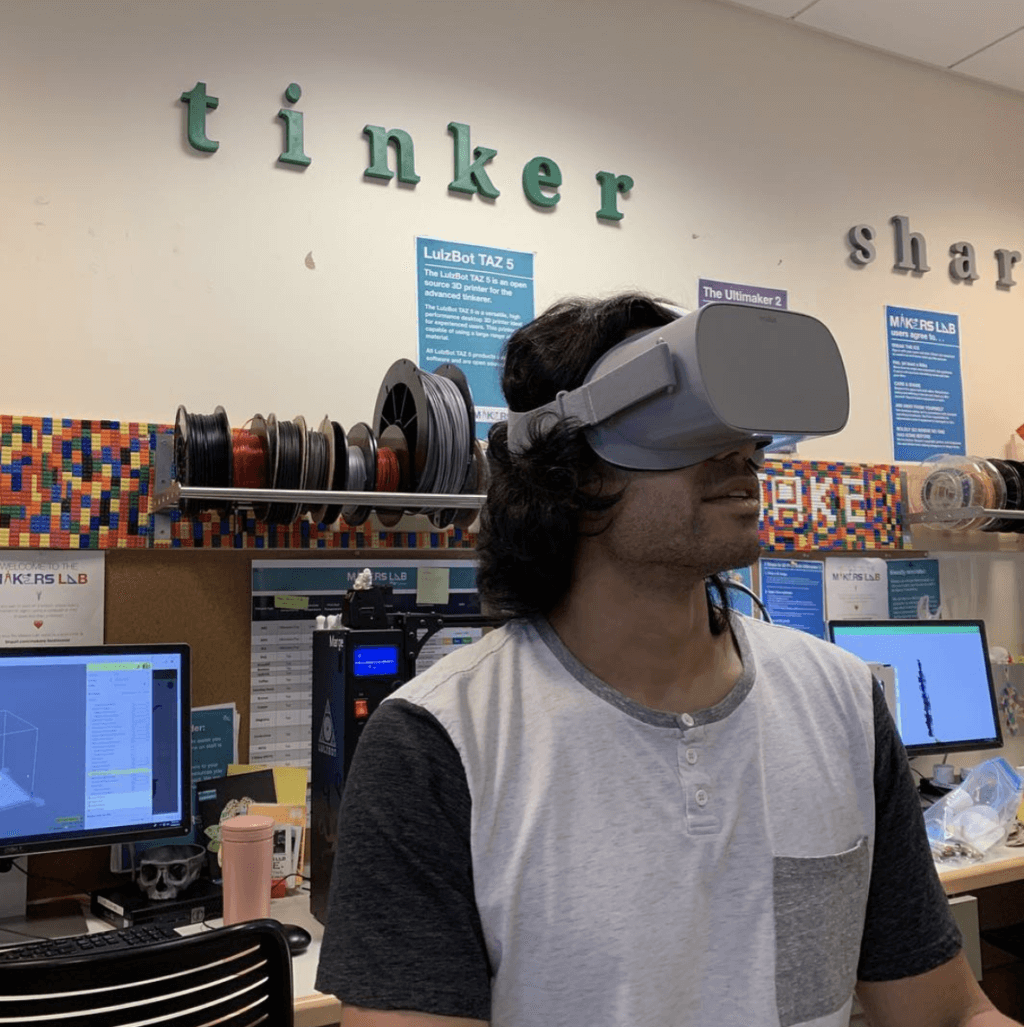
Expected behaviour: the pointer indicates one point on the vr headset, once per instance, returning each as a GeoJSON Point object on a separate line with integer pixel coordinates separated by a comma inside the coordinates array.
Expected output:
{"type": "Point", "coordinates": [722, 376]}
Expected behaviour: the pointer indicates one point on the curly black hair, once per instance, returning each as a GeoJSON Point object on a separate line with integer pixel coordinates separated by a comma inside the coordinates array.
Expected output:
{"type": "Point", "coordinates": [541, 501]}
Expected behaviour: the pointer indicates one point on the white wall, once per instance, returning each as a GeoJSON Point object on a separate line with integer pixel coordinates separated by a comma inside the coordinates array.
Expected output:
{"type": "Point", "coordinates": [138, 274]}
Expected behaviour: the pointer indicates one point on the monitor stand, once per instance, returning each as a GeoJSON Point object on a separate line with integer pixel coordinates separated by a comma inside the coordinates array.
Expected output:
{"type": "Point", "coordinates": [15, 927]}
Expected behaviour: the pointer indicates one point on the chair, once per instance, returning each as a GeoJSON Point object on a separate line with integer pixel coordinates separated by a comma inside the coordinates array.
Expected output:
{"type": "Point", "coordinates": [236, 976]}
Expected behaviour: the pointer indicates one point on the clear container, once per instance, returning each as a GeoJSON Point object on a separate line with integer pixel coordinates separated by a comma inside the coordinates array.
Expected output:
{"type": "Point", "coordinates": [247, 856]}
{"type": "Point", "coordinates": [954, 482]}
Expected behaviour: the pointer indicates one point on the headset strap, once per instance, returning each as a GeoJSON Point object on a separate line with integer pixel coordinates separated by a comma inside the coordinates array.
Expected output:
{"type": "Point", "coordinates": [639, 378]}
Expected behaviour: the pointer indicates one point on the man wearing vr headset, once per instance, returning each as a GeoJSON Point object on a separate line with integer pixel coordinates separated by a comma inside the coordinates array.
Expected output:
{"type": "Point", "coordinates": [629, 806]}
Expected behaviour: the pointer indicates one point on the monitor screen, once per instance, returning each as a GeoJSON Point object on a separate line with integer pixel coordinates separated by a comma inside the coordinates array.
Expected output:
{"type": "Point", "coordinates": [95, 746]}
{"type": "Point", "coordinates": [943, 698]}
{"type": "Point", "coordinates": [372, 661]}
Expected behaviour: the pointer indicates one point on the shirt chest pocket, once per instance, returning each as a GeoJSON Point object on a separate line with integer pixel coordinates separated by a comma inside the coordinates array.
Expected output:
{"type": "Point", "coordinates": [819, 918]}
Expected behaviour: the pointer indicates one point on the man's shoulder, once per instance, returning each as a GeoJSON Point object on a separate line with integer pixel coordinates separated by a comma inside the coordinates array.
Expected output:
{"type": "Point", "coordinates": [779, 641]}
{"type": "Point", "coordinates": [490, 658]}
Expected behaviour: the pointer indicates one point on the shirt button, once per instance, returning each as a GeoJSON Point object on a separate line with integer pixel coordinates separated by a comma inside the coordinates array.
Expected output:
{"type": "Point", "coordinates": [691, 756]}
{"type": "Point", "coordinates": [687, 719]}
{"type": "Point", "coordinates": [701, 797]}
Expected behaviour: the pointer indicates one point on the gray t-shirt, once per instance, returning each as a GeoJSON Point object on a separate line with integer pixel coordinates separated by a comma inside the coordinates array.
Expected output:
{"type": "Point", "coordinates": [520, 843]}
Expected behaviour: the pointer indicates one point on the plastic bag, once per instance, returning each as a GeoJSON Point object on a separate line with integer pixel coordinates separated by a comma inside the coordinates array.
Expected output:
{"type": "Point", "coordinates": [977, 814]}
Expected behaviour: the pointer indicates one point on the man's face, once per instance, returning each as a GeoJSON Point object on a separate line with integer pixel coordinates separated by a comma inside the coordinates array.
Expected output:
{"type": "Point", "coordinates": [688, 523]}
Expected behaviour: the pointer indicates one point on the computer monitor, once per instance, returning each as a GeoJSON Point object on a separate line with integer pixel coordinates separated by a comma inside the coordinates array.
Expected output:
{"type": "Point", "coordinates": [95, 746]}
{"type": "Point", "coordinates": [943, 697]}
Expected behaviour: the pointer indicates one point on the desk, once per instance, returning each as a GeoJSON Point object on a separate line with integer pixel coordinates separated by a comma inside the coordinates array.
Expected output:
{"type": "Point", "coordinates": [312, 1008]}
{"type": "Point", "coordinates": [1001, 865]}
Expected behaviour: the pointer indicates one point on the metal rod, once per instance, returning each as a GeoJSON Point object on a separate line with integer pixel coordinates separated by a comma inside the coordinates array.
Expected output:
{"type": "Point", "coordinates": [175, 493]}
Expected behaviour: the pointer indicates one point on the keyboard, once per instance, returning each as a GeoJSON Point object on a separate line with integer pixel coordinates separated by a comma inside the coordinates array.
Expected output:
{"type": "Point", "coordinates": [83, 944]}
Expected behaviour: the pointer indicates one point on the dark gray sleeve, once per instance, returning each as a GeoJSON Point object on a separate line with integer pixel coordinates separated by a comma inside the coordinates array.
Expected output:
{"type": "Point", "coordinates": [909, 927]}
{"type": "Point", "coordinates": [403, 930]}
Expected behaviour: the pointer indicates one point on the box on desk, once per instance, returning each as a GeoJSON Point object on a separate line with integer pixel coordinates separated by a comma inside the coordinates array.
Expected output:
{"type": "Point", "coordinates": [125, 906]}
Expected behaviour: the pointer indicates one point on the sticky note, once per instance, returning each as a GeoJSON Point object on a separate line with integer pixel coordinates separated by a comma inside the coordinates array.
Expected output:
{"type": "Point", "coordinates": [432, 585]}
{"type": "Point", "coordinates": [291, 602]}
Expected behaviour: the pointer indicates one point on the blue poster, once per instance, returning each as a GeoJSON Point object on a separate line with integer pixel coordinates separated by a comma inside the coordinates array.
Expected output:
{"type": "Point", "coordinates": [910, 581]}
{"type": "Point", "coordinates": [470, 300]}
{"type": "Point", "coordinates": [925, 386]}
{"type": "Point", "coordinates": [794, 592]}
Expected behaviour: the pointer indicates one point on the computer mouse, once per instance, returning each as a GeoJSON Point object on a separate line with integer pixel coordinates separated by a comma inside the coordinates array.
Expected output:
{"type": "Point", "coordinates": [298, 938]}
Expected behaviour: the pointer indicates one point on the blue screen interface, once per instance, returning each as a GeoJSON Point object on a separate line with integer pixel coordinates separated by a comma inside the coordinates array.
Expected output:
{"type": "Point", "coordinates": [372, 661]}
{"type": "Point", "coordinates": [91, 744]}
{"type": "Point", "coordinates": [943, 680]}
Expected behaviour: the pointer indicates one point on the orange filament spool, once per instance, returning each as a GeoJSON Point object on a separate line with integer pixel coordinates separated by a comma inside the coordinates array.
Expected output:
{"type": "Point", "coordinates": [249, 452]}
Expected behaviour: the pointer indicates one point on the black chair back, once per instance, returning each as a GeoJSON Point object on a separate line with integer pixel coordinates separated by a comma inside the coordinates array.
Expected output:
{"type": "Point", "coordinates": [237, 976]}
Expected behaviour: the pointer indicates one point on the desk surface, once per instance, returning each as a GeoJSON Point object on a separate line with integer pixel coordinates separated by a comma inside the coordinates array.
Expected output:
{"type": "Point", "coordinates": [1001, 865]}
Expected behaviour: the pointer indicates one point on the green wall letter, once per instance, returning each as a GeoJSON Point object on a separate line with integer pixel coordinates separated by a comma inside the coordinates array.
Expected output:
{"type": "Point", "coordinates": [293, 150]}
{"type": "Point", "coordinates": [470, 178]}
{"type": "Point", "coordinates": [611, 186]}
{"type": "Point", "coordinates": [541, 171]}
{"type": "Point", "coordinates": [198, 102]}
{"type": "Point", "coordinates": [379, 139]}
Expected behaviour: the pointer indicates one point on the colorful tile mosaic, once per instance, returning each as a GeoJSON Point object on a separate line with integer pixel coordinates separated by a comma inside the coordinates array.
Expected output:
{"type": "Point", "coordinates": [68, 484]}
{"type": "Point", "coordinates": [815, 505]}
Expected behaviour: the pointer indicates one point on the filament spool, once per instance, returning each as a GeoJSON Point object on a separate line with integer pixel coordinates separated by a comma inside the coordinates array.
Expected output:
{"type": "Point", "coordinates": [478, 481]}
{"type": "Point", "coordinates": [318, 513]}
{"type": "Point", "coordinates": [435, 413]}
{"type": "Point", "coordinates": [317, 474]}
{"type": "Point", "coordinates": [289, 469]}
{"type": "Point", "coordinates": [1013, 479]}
{"type": "Point", "coordinates": [262, 430]}
{"type": "Point", "coordinates": [202, 454]}
{"type": "Point", "coordinates": [460, 459]}
{"type": "Point", "coordinates": [402, 402]}
{"type": "Point", "coordinates": [249, 459]}
{"type": "Point", "coordinates": [392, 440]}
{"type": "Point", "coordinates": [362, 470]}
{"type": "Point", "coordinates": [339, 472]}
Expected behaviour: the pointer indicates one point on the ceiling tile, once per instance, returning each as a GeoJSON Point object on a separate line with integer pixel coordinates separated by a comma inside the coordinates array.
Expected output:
{"type": "Point", "coordinates": [1002, 64]}
{"type": "Point", "coordinates": [782, 8]}
{"type": "Point", "coordinates": [937, 33]}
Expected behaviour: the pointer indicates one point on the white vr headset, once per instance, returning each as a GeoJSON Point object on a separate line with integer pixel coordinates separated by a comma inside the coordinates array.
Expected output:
{"type": "Point", "coordinates": [724, 375]}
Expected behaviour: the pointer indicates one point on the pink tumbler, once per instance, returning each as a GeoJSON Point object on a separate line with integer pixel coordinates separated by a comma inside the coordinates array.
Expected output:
{"type": "Point", "coordinates": [247, 855]}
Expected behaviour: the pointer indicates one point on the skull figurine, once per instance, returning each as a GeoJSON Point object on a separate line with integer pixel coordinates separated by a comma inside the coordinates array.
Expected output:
{"type": "Point", "coordinates": [169, 869]}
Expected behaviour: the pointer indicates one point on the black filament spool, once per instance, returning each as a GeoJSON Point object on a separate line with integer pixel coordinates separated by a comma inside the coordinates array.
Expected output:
{"type": "Point", "coordinates": [289, 466]}
{"type": "Point", "coordinates": [1014, 481]}
{"type": "Point", "coordinates": [203, 455]}
{"type": "Point", "coordinates": [362, 438]}
{"type": "Point", "coordinates": [339, 474]}
{"type": "Point", "coordinates": [402, 402]}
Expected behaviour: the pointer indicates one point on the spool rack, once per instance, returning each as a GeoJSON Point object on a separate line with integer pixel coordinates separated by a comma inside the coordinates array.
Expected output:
{"type": "Point", "coordinates": [168, 494]}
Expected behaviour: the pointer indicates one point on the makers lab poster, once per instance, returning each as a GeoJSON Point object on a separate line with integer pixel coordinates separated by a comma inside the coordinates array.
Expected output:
{"type": "Point", "coordinates": [53, 598]}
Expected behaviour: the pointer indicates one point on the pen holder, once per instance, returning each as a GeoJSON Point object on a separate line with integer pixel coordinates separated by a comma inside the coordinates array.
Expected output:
{"type": "Point", "coordinates": [247, 853]}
